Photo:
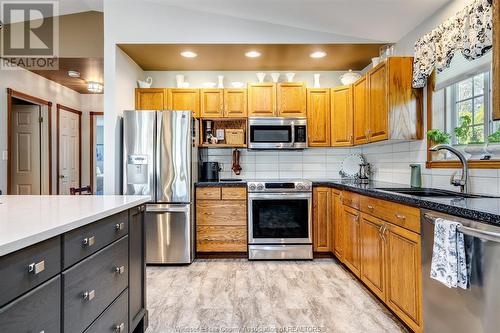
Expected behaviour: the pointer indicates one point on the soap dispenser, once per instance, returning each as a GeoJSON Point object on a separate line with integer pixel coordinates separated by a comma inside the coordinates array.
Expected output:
{"type": "Point", "coordinates": [416, 176]}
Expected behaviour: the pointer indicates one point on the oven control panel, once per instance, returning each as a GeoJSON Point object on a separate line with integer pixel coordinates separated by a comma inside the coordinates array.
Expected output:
{"type": "Point", "coordinates": [280, 186]}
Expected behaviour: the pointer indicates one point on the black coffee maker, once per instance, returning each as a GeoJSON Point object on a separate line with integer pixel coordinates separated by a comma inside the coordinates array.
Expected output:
{"type": "Point", "coordinates": [210, 172]}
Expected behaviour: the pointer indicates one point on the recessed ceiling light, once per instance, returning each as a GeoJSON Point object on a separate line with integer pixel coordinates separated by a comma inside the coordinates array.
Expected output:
{"type": "Point", "coordinates": [252, 54]}
{"type": "Point", "coordinates": [94, 87]}
{"type": "Point", "coordinates": [318, 54]}
{"type": "Point", "coordinates": [188, 54]}
{"type": "Point", "coordinates": [73, 73]}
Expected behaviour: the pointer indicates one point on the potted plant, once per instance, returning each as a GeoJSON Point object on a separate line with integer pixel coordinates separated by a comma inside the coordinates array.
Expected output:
{"type": "Point", "coordinates": [493, 145]}
{"type": "Point", "coordinates": [438, 136]}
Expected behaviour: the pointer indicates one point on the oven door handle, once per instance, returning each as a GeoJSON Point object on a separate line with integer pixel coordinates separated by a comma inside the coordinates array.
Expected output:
{"type": "Point", "coordinates": [280, 196]}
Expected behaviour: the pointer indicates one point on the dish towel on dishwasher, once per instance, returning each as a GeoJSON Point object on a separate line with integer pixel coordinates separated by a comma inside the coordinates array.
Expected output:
{"type": "Point", "coordinates": [448, 255]}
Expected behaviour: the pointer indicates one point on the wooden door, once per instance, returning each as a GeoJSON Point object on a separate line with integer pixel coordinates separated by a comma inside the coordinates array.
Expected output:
{"type": "Point", "coordinates": [361, 111]}
{"type": "Point", "coordinates": [262, 100]}
{"type": "Point", "coordinates": [318, 117]}
{"type": "Point", "coordinates": [377, 101]}
{"type": "Point", "coordinates": [351, 222]}
{"type": "Point", "coordinates": [373, 254]}
{"type": "Point", "coordinates": [341, 117]}
{"type": "Point", "coordinates": [291, 99]}
{"type": "Point", "coordinates": [235, 103]}
{"type": "Point", "coordinates": [69, 149]}
{"type": "Point", "coordinates": [337, 226]}
{"type": "Point", "coordinates": [184, 99]}
{"type": "Point", "coordinates": [150, 99]}
{"type": "Point", "coordinates": [212, 103]}
{"type": "Point", "coordinates": [321, 219]}
{"type": "Point", "coordinates": [404, 279]}
{"type": "Point", "coordinates": [25, 174]}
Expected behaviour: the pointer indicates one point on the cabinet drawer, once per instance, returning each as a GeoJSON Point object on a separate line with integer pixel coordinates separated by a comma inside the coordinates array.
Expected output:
{"type": "Point", "coordinates": [91, 285]}
{"type": "Point", "coordinates": [82, 242]}
{"type": "Point", "coordinates": [350, 199]}
{"type": "Point", "coordinates": [234, 193]}
{"type": "Point", "coordinates": [37, 311]}
{"type": "Point", "coordinates": [27, 268]}
{"type": "Point", "coordinates": [221, 239]}
{"type": "Point", "coordinates": [208, 193]}
{"type": "Point", "coordinates": [401, 215]}
{"type": "Point", "coordinates": [223, 212]}
{"type": "Point", "coordinates": [114, 319]}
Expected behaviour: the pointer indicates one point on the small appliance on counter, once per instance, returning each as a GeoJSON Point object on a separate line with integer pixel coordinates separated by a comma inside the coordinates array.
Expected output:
{"type": "Point", "coordinates": [210, 172]}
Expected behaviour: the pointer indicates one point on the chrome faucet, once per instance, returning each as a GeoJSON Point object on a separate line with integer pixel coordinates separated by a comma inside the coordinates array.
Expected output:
{"type": "Point", "coordinates": [463, 181]}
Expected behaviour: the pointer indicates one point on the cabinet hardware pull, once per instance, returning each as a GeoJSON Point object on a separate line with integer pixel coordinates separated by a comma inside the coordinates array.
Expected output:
{"type": "Point", "coordinates": [36, 268]}
{"type": "Point", "coordinates": [119, 226]}
{"type": "Point", "coordinates": [88, 295]}
{"type": "Point", "coordinates": [88, 241]}
{"type": "Point", "coordinates": [120, 269]}
{"type": "Point", "coordinates": [384, 229]}
{"type": "Point", "coordinates": [120, 328]}
{"type": "Point", "coordinates": [401, 217]}
{"type": "Point", "coordinates": [370, 207]}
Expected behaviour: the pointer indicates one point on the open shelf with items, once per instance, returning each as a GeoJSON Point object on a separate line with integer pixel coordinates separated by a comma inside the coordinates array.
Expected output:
{"type": "Point", "coordinates": [234, 130]}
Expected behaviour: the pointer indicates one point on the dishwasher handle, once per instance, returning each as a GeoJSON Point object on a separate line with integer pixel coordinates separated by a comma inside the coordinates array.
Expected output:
{"type": "Point", "coordinates": [168, 209]}
{"type": "Point", "coordinates": [473, 232]}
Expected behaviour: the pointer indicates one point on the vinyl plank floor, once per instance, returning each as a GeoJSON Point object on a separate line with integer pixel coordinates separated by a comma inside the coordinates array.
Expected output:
{"type": "Point", "coordinates": [239, 296]}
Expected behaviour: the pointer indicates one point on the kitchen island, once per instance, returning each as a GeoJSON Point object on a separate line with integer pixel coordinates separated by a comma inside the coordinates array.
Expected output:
{"type": "Point", "coordinates": [72, 263]}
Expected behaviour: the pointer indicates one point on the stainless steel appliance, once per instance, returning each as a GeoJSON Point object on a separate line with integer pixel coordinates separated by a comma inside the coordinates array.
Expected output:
{"type": "Point", "coordinates": [277, 133]}
{"type": "Point", "coordinates": [160, 160]}
{"type": "Point", "coordinates": [477, 309]}
{"type": "Point", "coordinates": [210, 172]}
{"type": "Point", "coordinates": [279, 220]}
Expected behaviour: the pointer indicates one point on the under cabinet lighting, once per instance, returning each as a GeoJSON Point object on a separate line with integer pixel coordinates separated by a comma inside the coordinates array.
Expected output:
{"type": "Point", "coordinates": [318, 54]}
{"type": "Point", "coordinates": [188, 54]}
{"type": "Point", "coordinates": [252, 54]}
{"type": "Point", "coordinates": [94, 87]}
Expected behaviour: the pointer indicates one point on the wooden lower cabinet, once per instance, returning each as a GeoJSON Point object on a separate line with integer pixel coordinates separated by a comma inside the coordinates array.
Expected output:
{"type": "Point", "coordinates": [221, 219]}
{"type": "Point", "coordinates": [337, 226]}
{"type": "Point", "coordinates": [350, 221]}
{"type": "Point", "coordinates": [373, 254]}
{"type": "Point", "coordinates": [321, 220]}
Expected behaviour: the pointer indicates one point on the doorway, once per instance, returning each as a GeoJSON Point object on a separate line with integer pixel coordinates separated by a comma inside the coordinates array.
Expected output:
{"type": "Point", "coordinates": [29, 149]}
{"type": "Point", "coordinates": [69, 149]}
{"type": "Point", "coordinates": [97, 152]}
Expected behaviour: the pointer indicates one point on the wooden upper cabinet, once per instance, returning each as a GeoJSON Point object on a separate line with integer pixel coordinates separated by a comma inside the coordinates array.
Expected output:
{"type": "Point", "coordinates": [377, 96]}
{"type": "Point", "coordinates": [341, 117]}
{"type": "Point", "coordinates": [184, 99]}
{"type": "Point", "coordinates": [291, 99]}
{"type": "Point", "coordinates": [212, 103]}
{"type": "Point", "coordinates": [361, 111]}
{"type": "Point", "coordinates": [235, 103]}
{"type": "Point", "coordinates": [321, 220]}
{"type": "Point", "coordinates": [318, 117]}
{"type": "Point", "coordinates": [262, 100]}
{"type": "Point", "coordinates": [350, 218]}
{"type": "Point", "coordinates": [373, 254]}
{"type": "Point", "coordinates": [150, 99]}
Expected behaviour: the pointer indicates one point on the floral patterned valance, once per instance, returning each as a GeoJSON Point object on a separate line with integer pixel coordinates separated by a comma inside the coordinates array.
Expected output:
{"type": "Point", "coordinates": [469, 31]}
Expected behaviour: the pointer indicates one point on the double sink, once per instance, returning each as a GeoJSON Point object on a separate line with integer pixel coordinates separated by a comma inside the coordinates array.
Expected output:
{"type": "Point", "coordinates": [432, 193]}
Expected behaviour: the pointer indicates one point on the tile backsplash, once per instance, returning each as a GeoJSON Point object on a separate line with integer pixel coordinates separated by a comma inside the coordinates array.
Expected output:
{"type": "Point", "coordinates": [389, 161]}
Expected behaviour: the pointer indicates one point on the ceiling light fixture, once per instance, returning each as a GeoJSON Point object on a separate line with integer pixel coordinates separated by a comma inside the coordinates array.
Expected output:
{"type": "Point", "coordinates": [252, 54]}
{"type": "Point", "coordinates": [94, 87]}
{"type": "Point", "coordinates": [318, 54]}
{"type": "Point", "coordinates": [188, 54]}
{"type": "Point", "coordinates": [74, 74]}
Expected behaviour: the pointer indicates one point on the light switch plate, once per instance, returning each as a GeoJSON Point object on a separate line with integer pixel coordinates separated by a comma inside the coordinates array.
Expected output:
{"type": "Point", "coordinates": [5, 155]}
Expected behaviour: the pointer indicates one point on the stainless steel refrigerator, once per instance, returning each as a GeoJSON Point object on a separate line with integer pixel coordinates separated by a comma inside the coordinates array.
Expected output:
{"type": "Point", "coordinates": [160, 160]}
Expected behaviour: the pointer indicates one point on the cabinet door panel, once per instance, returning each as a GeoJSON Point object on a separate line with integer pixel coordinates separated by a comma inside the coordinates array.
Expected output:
{"type": "Point", "coordinates": [379, 117]}
{"type": "Point", "coordinates": [318, 117]}
{"type": "Point", "coordinates": [338, 230]}
{"type": "Point", "coordinates": [184, 99]}
{"type": "Point", "coordinates": [361, 111]}
{"type": "Point", "coordinates": [150, 99]}
{"type": "Point", "coordinates": [342, 117]}
{"type": "Point", "coordinates": [137, 266]}
{"type": "Point", "coordinates": [212, 103]}
{"type": "Point", "coordinates": [291, 99]}
{"type": "Point", "coordinates": [352, 247]}
{"type": "Point", "coordinates": [321, 220]}
{"type": "Point", "coordinates": [373, 255]}
{"type": "Point", "coordinates": [235, 103]}
{"type": "Point", "coordinates": [262, 100]}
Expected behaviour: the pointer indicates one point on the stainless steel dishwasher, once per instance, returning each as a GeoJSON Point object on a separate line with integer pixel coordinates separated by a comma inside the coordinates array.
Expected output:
{"type": "Point", "coordinates": [476, 309]}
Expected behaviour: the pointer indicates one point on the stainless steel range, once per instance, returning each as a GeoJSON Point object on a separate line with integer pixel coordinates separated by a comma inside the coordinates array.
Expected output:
{"type": "Point", "coordinates": [279, 220]}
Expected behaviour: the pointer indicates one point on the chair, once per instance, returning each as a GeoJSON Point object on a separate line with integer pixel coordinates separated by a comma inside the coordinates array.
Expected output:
{"type": "Point", "coordinates": [80, 190]}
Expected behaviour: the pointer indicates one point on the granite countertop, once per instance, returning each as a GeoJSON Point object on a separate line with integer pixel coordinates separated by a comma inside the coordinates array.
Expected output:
{"type": "Point", "coordinates": [28, 219]}
{"type": "Point", "coordinates": [485, 210]}
{"type": "Point", "coordinates": [225, 183]}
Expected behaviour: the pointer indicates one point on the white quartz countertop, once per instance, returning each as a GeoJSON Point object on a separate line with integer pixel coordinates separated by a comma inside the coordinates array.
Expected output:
{"type": "Point", "coordinates": [28, 219]}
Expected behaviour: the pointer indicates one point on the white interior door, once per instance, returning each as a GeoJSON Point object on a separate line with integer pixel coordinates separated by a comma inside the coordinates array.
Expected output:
{"type": "Point", "coordinates": [69, 151]}
{"type": "Point", "coordinates": [26, 163]}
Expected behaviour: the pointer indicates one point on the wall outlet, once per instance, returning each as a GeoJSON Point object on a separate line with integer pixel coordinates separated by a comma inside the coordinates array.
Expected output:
{"type": "Point", "coordinates": [5, 155]}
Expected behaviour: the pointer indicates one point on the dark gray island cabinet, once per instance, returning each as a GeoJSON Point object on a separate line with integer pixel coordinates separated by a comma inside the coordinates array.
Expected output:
{"type": "Point", "coordinates": [90, 279]}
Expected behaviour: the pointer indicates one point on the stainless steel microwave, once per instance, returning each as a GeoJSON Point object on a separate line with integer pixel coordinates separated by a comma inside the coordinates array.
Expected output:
{"type": "Point", "coordinates": [277, 133]}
